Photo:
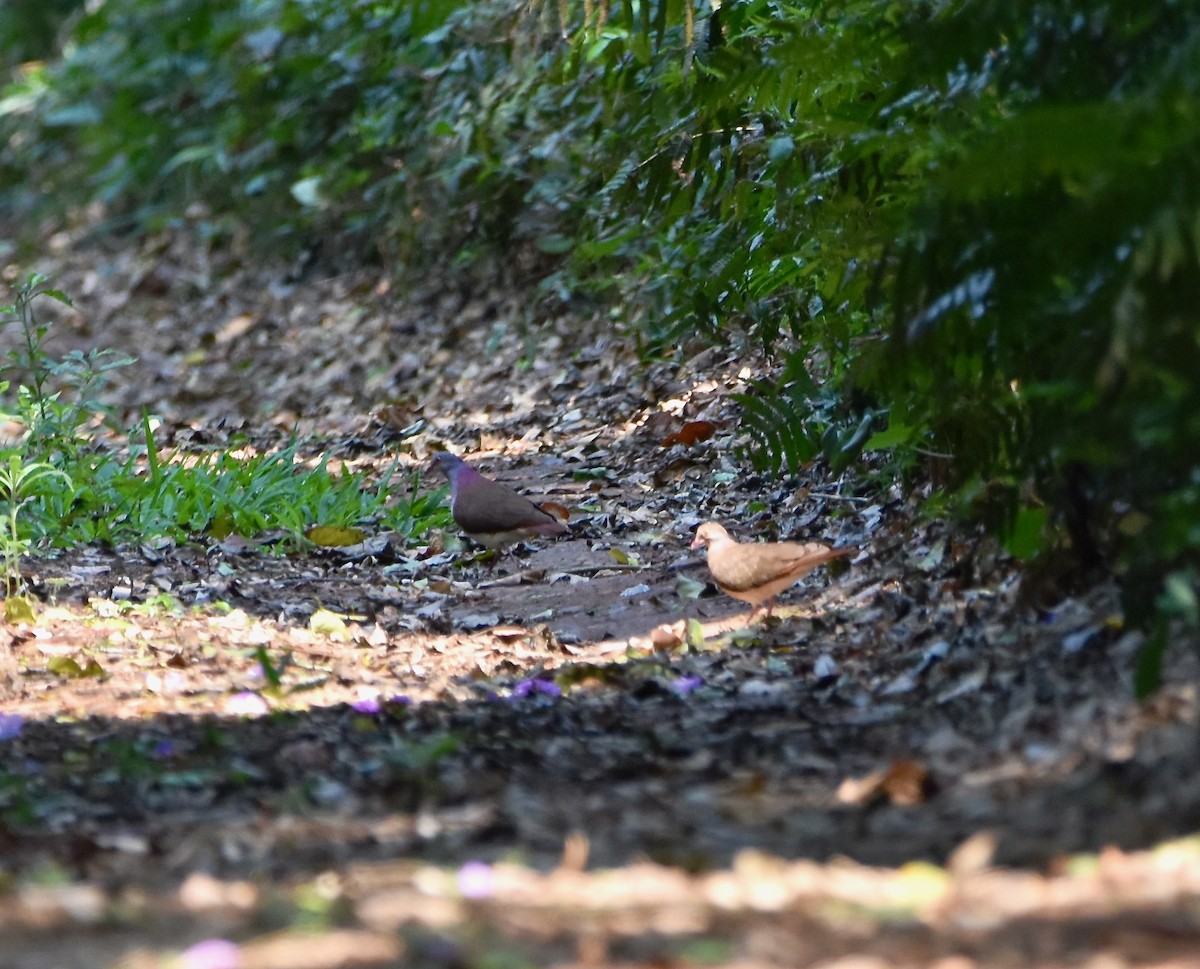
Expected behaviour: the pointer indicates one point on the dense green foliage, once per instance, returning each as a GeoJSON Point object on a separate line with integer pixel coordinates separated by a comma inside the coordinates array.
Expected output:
{"type": "Point", "coordinates": [28, 28]}
{"type": "Point", "coordinates": [1045, 326]}
{"type": "Point", "coordinates": [291, 117]}
{"type": "Point", "coordinates": [968, 229]}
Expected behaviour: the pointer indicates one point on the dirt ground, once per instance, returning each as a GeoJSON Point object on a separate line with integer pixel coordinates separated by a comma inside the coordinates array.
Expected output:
{"type": "Point", "coordinates": [582, 755]}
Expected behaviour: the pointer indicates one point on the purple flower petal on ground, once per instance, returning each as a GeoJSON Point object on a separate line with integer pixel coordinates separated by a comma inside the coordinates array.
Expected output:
{"type": "Point", "coordinates": [535, 685]}
{"type": "Point", "coordinates": [212, 954]}
{"type": "Point", "coordinates": [246, 704]}
{"type": "Point", "coordinates": [399, 700]}
{"type": "Point", "coordinates": [11, 725]}
{"type": "Point", "coordinates": [475, 880]}
{"type": "Point", "coordinates": [164, 749]}
{"type": "Point", "coordinates": [369, 705]}
{"type": "Point", "coordinates": [683, 685]}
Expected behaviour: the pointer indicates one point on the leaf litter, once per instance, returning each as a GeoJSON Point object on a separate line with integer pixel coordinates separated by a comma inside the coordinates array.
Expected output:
{"type": "Point", "coordinates": [372, 755]}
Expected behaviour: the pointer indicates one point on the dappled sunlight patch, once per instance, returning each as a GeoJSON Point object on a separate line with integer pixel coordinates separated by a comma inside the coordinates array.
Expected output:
{"type": "Point", "coordinates": [247, 704]}
{"type": "Point", "coordinates": [212, 954]}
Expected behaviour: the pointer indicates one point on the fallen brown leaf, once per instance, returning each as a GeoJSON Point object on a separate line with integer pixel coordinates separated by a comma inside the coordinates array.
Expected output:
{"type": "Point", "coordinates": [691, 433]}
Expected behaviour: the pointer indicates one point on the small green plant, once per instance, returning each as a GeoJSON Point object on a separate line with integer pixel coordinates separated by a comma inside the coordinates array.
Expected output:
{"type": "Point", "coordinates": [19, 482]}
{"type": "Point", "coordinates": [55, 398]}
{"type": "Point", "coordinates": [272, 672]}
{"type": "Point", "coordinates": [17, 800]}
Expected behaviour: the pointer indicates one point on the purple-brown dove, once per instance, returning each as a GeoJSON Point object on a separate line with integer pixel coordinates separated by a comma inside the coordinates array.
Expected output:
{"type": "Point", "coordinates": [490, 513]}
{"type": "Point", "coordinates": [759, 571]}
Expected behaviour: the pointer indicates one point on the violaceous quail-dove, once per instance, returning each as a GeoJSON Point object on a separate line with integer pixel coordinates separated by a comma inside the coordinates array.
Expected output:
{"type": "Point", "coordinates": [759, 571]}
{"type": "Point", "coordinates": [490, 513]}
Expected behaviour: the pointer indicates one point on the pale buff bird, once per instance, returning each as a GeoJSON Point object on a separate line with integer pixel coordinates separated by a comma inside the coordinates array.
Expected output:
{"type": "Point", "coordinates": [758, 571]}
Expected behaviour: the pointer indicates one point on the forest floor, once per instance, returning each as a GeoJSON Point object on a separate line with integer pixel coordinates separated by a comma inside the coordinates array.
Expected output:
{"type": "Point", "coordinates": [582, 755]}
